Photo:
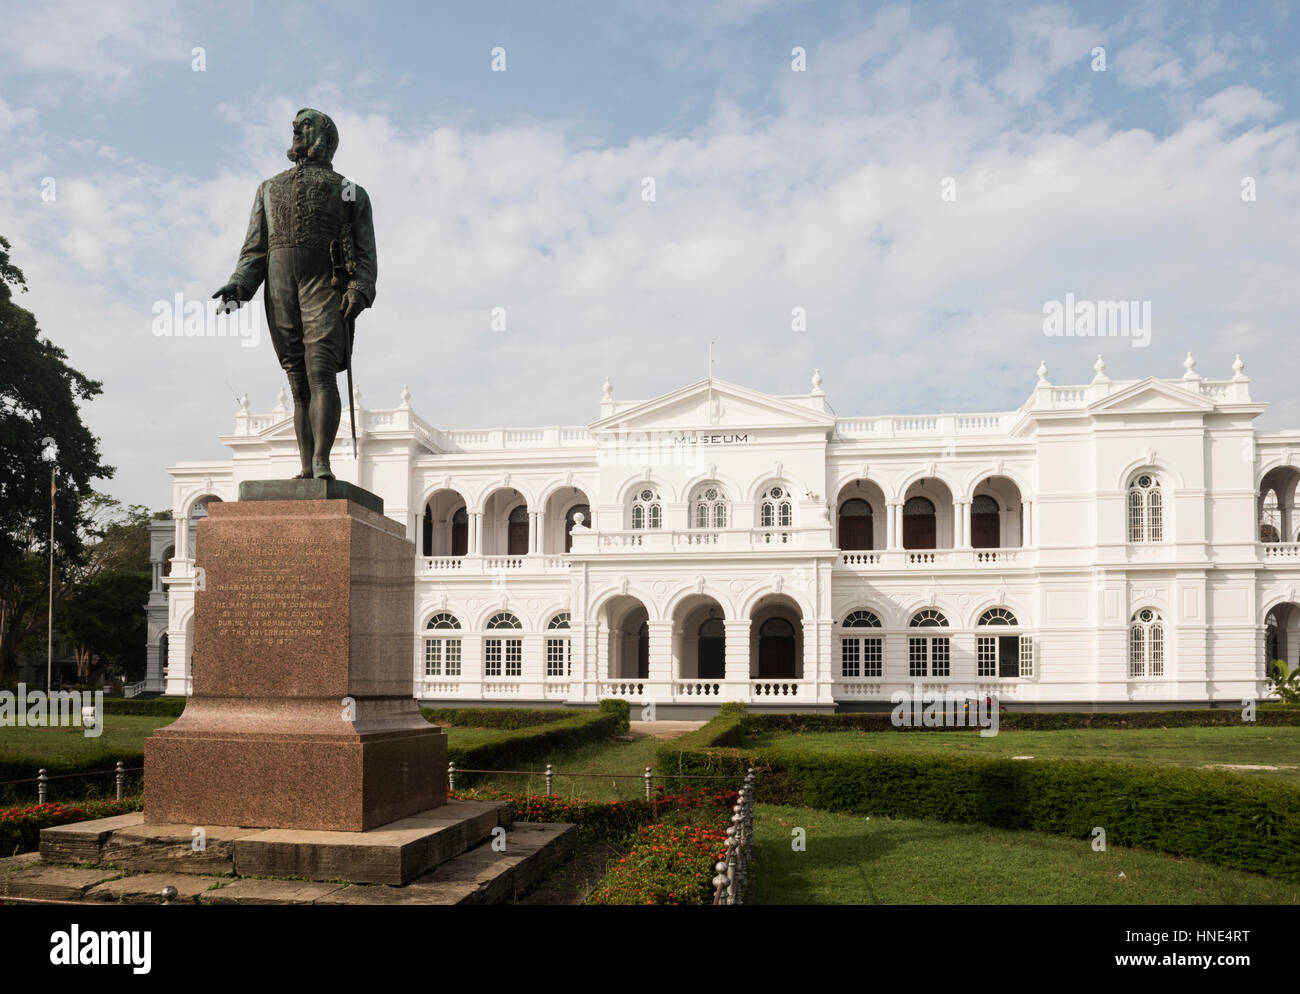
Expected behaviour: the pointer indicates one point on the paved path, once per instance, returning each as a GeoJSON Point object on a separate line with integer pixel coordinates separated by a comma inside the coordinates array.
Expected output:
{"type": "Point", "coordinates": [663, 729]}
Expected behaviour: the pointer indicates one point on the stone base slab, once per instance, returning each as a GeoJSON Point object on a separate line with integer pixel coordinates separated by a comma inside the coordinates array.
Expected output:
{"type": "Point", "coordinates": [396, 853]}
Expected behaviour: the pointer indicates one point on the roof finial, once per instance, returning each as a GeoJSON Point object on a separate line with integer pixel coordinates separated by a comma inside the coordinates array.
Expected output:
{"type": "Point", "coordinates": [1189, 364]}
{"type": "Point", "coordinates": [280, 401]}
{"type": "Point", "coordinates": [1042, 373]}
{"type": "Point", "coordinates": [406, 398]}
{"type": "Point", "coordinates": [607, 391]}
{"type": "Point", "coordinates": [817, 384]}
{"type": "Point", "coordinates": [1238, 368]}
{"type": "Point", "coordinates": [243, 403]}
{"type": "Point", "coordinates": [1100, 368]}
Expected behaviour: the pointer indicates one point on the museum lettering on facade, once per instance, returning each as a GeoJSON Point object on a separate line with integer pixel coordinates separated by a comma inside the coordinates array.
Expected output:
{"type": "Point", "coordinates": [1107, 543]}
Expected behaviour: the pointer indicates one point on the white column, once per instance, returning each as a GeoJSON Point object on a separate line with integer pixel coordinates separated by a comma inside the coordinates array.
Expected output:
{"type": "Point", "coordinates": [891, 519]}
{"type": "Point", "coordinates": [1027, 522]}
{"type": "Point", "coordinates": [534, 522]}
{"type": "Point", "coordinates": [182, 542]}
{"type": "Point", "coordinates": [661, 657]}
{"type": "Point", "coordinates": [961, 525]}
{"type": "Point", "coordinates": [475, 527]}
{"type": "Point", "coordinates": [736, 659]}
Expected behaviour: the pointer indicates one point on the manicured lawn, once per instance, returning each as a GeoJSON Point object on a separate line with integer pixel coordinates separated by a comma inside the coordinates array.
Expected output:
{"type": "Point", "coordinates": [610, 756]}
{"type": "Point", "coordinates": [1189, 747]}
{"type": "Point", "coordinates": [122, 733]}
{"type": "Point", "coordinates": [855, 860]}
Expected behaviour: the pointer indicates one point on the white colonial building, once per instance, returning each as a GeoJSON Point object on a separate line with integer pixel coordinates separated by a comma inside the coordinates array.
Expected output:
{"type": "Point", "coordinates": [1107, 544]}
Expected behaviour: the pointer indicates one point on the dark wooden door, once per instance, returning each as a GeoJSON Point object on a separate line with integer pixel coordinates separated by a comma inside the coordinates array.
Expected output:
{"type": "Point", "coordinates": [460, 533]}
{"type": "Point", "coordinates": [776, 650]}
{"type": "Point", "coordinates": [855, 525]}
{"type": "Point", "coordinates": [919, 528]}
{"type": "Point", "coordinates": [643, 651]}
{"type": "Point", "coordinates": [713, 650]}
{"type": "Point", "coordinates": [517, 534]}
{"type": "Point", "coordinates": [984, 529]}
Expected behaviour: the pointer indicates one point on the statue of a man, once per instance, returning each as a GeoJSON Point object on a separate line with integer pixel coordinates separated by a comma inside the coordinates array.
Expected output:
{"type": "Point", "coordinates": [312, 239]}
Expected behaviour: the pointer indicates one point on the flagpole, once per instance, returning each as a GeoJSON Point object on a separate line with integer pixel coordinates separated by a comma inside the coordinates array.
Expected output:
{"type": "Point", "coordinates": [51, 452]}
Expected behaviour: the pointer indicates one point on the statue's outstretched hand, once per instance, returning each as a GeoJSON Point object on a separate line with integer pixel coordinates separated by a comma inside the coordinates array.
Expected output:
{"type": "Point", "coordinates": [230, 295]}
{"type": "Point", "coordinates": [352, 305]}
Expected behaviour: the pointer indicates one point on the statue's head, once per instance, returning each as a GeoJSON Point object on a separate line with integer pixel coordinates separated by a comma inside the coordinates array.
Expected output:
{"type": "Point", "coordinates": [314, 137]}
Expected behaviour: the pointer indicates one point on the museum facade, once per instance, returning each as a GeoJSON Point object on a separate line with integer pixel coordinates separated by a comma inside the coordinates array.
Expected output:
{"type": "Point", "coordinates": [1107, 544]}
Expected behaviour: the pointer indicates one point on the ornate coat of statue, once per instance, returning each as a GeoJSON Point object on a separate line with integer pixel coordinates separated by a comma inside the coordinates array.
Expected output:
{"type": "Point", "coordinates": [311, 239]}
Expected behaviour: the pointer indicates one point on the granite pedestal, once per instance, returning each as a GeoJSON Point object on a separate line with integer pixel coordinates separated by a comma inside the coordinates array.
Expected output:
{"type": "Point", "coordinates": [302, 714]}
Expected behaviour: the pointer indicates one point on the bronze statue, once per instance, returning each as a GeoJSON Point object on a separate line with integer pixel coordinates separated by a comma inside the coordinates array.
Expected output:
{"type": "Point", "coordinates": [312, 239]}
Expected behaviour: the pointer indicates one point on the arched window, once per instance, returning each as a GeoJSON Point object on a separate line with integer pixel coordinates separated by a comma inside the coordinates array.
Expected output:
{"type": "Point", "coordinates": [1146, 645]}
{"type": "Point", "coordinates": [558, 657]}
{"type": "Point", "coordinates": [1005, 656]}
{"type": "Point", "coordinates": [426, 544]}
{"type": "Point", "coordinates": [920, 529]}
{"type": "Point", "coordinates": [861, 655]}
{"type": "Point", "coordinates": [855, 524]}
{"type": "Point", "coordinates": [647, 509]}
{"type": "Point", "coordinates": [1145, 509]}
{"type": "Point", "coordinates": [503, 656]}
{"type": "Point", "coordinates": [776, 508]}
{"type": "Point", "coordinates": [1270, 519]}
{"type": "Point", "coordinates": [928, 655]}
{"type": "Point", "coordinates": [861, 619]}
{"type": "Point", "coordinates": [517, 534]}
{"type": "Point", "coordinates": [985, 523]}
{"type": "Point", "coordinates": [1271, 642]}
{"type": "Point", "coordinates": [442, 646]}
{"type": "Point", "coordinates": [709, 507]}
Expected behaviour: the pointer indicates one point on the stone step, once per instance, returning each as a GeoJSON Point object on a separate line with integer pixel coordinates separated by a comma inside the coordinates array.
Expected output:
{"type": "Point", "coordinates": [482, 875]}
{"type": "Point", "coordinates": [396, 853]}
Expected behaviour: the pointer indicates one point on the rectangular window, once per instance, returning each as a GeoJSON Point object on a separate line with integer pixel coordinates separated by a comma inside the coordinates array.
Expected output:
{"type": "Point", "coordinates": [917, 656]}
{"type": "Point", "coordinates": [514, 657]}
{"type": "Point", "coordinates": [1026, 656]}
{"type": "Point", "coordinates": [986, 656]}
{"type": "Point", "coordinates": [939, 656]}
{"type": "Point", "coordinates": [557, 657]}
{"type": "Point", "coordinates": [1157, 638]}
{"type": "Point", "coordinates": [442, 657]}
{"type": "Point", "coordinates": [850, 657]}
{"type": "Point", "coordinates": [491, 657]}
{"type": "Point", "coordinates": [873, 657]}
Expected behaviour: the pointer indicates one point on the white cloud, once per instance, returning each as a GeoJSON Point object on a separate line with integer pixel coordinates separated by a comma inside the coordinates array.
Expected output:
{"type": "Point", "coordinates": [831, 202]}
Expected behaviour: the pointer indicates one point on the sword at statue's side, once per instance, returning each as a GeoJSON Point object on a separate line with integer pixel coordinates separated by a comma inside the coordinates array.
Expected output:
{"type": "Point", "coordinates": [352, 412]}
{"type": "Point", "coordinates": [342, 261]}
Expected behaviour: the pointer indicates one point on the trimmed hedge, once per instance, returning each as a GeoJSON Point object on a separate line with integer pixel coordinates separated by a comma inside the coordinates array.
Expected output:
{"type": "Point", "coordinates": [159, 707]}
{"type": "Point", "coordinates": [507, 718]}
{"type": "Point", "coordinates": [1208, 815]}
{"type": "Point", "coordinates": [517, 745]}
{"type": "Point", "coordinates": [1027, 721]}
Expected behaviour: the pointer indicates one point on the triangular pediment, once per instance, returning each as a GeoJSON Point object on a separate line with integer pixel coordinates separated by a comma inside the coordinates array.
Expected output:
{"type": "Point", "coordinates": [1152, 396]}
{"type": "Point", "coordinates": [714, 405]}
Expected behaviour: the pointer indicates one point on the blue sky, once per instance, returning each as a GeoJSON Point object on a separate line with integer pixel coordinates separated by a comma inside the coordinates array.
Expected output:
{"type": "Point", "coordinates": [775, 190]}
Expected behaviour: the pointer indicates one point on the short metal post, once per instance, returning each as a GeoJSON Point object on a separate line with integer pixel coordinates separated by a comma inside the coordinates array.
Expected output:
{"type": "Point", "coordinates": [720, 883]}
{"type": "Point", "coordinates": [42, 786]}
{"type": "Point", "coordinates": [550, 779]}
{"type": "Point", "coordinates": [451, 777]}
{"type": "Point", "coordinates": [120, 778]}
{"type": "Point", "coordinates": [649, 783]}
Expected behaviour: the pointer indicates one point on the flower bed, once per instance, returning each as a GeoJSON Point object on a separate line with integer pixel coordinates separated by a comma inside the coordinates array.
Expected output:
{"type": "Point", "coordinates": [20, 828]}
{"type": "Point", "coordinates": [667, 864]}
{"type": "Point", "coordinates": [669, 843]}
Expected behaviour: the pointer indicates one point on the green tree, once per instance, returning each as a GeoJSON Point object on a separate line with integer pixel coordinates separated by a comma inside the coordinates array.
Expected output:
{"type": "Point", "coordinates": [104, 617]}
{"type": "Point", "coordinates": [39, 398]}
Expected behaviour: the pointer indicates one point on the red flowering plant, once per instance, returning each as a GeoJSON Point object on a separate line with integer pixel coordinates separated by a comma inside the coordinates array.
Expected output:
{"type": "Point", "coordinates": [667, 864]}
{"type": "Point", "coordinates": [20, 828]}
